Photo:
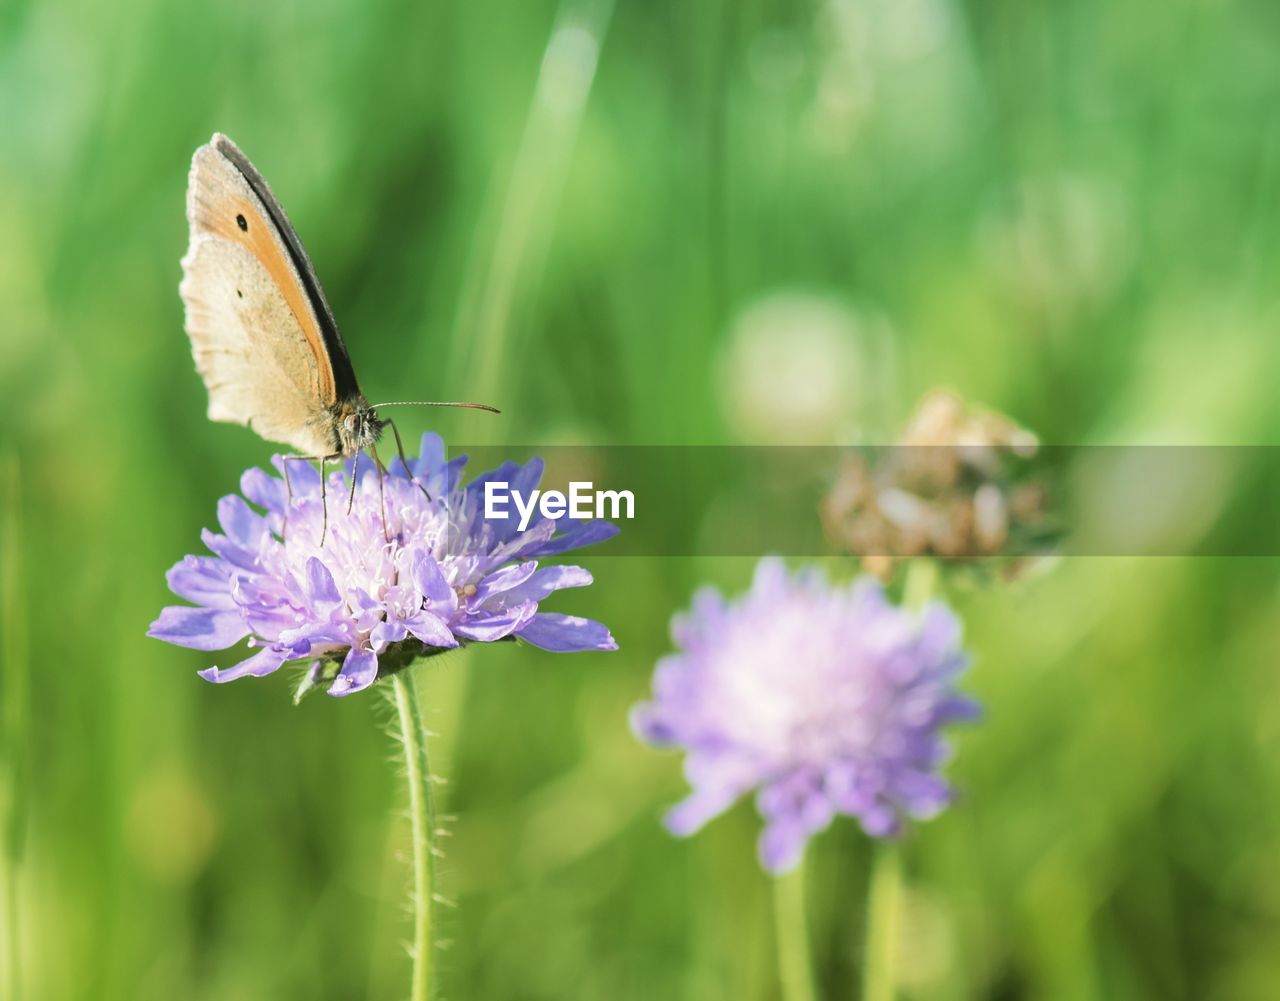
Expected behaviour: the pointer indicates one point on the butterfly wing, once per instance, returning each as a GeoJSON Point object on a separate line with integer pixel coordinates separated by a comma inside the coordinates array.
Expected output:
{"type": "Point", "coordinates": [251, 351]}
{"type": "Point", "coordinates": [264, 339]}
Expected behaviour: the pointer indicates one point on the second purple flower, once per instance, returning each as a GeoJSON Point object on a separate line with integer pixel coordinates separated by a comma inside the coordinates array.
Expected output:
{"type": "Point", "coordinates": [821, 699]}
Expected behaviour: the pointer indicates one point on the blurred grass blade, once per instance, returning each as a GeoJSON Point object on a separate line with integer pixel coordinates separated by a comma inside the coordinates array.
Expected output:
{"type": "Point", "coordinates": [13, 700]}
{"type": "Point", "coordinates": [524, 227]}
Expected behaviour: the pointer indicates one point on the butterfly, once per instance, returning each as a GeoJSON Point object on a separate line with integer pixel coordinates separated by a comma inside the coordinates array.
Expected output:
{"type": "Point", "coordinates": [263, 335]}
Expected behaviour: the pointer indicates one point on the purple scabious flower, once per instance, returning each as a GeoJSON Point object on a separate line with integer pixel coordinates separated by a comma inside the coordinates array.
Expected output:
{"type": "Point", "coordinates": [824, 699]}
{"type": "Point", "coordinates": [435, 575]}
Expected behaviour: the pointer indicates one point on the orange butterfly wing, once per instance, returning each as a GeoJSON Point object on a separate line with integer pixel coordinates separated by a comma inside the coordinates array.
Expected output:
{"type": "Point", "coordinates": [263, 337]}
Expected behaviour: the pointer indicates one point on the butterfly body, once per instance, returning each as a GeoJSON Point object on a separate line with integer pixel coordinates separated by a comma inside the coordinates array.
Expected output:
{"type": "Point", "coordinates": [358, 426]}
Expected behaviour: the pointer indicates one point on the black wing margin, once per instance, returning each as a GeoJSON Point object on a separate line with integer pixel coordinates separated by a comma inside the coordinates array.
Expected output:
{"type": "Point", "coordinates": [344, 375]}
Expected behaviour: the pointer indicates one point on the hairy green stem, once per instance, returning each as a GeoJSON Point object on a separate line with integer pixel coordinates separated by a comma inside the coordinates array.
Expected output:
{"type": "Point", "coordinates": [791, 928]}
{"type": "Point", "coordinates": [422, 812]}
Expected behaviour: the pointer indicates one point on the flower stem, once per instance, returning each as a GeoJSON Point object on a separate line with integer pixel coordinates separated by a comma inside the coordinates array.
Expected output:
{"type": "Point", "coordinates": [791, 927]}
{"type": "Point", "coordinates": [884, 896]}
{"type": "Point", "coordinates": [883, 902]}
{"type": "Point", "coordinates": [921, 582]}
{"type": "Point", "coordinates": [414, 737]}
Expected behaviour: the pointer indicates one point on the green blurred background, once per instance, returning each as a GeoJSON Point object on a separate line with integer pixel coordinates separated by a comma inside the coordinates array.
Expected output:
{"type": "Point", "coordinates": [641, 223]}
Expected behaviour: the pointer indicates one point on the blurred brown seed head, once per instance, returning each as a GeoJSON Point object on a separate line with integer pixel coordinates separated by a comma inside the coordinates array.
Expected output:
{"type": "Point", "coordinates": [955, 486]}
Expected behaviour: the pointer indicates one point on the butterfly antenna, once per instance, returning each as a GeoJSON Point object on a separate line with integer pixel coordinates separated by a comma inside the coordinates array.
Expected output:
{"type": "Point", "coordinates": [404, 461]}
{"type": "Point", "coordinates": [434, 403]}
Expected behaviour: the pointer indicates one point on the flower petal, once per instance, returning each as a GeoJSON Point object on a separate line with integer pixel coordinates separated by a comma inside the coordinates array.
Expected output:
{"type": "Point", "coordinates": [503, 580]}
{"type": "Point", "coordinates": [358, 671]}
{"type": "Point", "coordinates": [441, 599]}
{"type": "Point", "coordinates": [586, 533]}
{"type": "Point", "coordinates": [202, 579]}
{"type": "Point", "coordinates": [688, 816]}
{"type": "Point", "coordinates": [541, 584]}
{"type": "Point", "coordinates": [430, 456]}
{"type": "Point", "coordinates": [880, 822]}
{"type": "Point", "coordinates": [319, 583]}
{"type": "Point", "coordinates": [921, 794]}
{"type": "Point", "coordinates": [431, 630]}
{"type": "Point", "coordinates": [503, 528]}
{"type": "Point", "coordinates": [237, 555]}
{"type": "Point", "coordinates": [314, 634]}
{"type": "Point", "coordinates": [444, 481]}
{"type": "Point", "coordinates": [264, 662]}
{"type": "Point", "coordinates": [770, 580]}
{"type": "Point", "coordinates": [566, 633]}
{"type": "Point", "coordinates": [940, 631]}
{"type": "Point", "coordinates": [243, 525]}
{"type": "Point", "coordinates": [490, 626]}
{"type": "Point", "coordinates": [385, 633]}
{"type": "Point", "coordinates": [199, 628]}
{"type": "Point", "coordinates": [263, 489]}
{"type": "Point", "coordinates": [520, 545]}
{"type": "Point", "coordinates": [959, 708]}
{"type": "Point", "coordinates": [782, 845]}
{"type": "Point", "coordinates": [652, 726]}
{"type": "Point", "coordinates": [302, 477]}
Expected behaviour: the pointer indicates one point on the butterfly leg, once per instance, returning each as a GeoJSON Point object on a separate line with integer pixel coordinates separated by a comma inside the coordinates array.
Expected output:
{"type": "Point", "coordinates": [400, 448]}
{"type": "Point", "coordinates": [324, 507]}
{"type": "Point", "coordinates": [288, 490]}
{"type": "Point", "coordinates": [382, 498]}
